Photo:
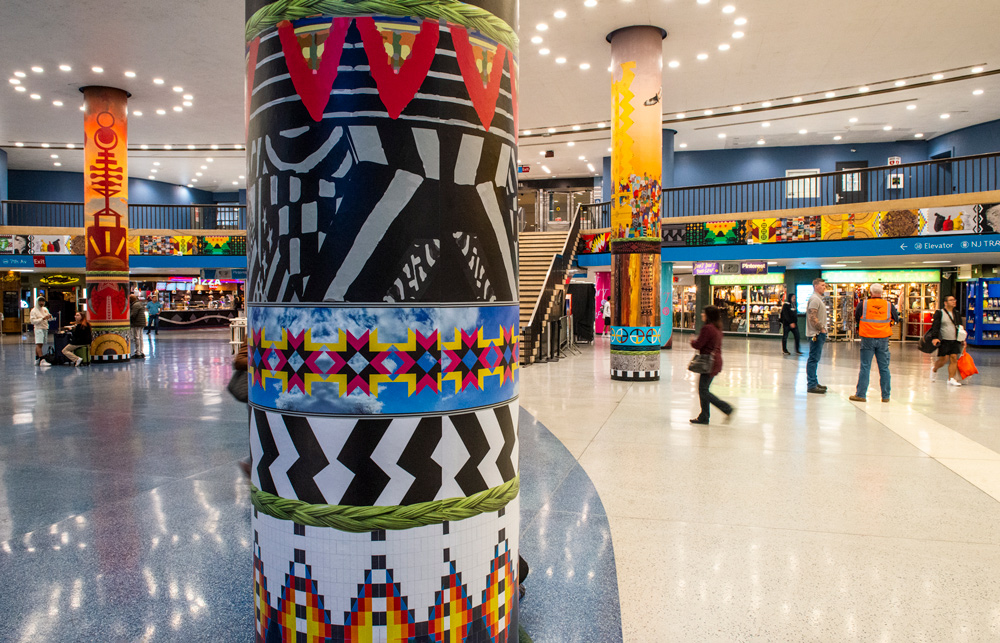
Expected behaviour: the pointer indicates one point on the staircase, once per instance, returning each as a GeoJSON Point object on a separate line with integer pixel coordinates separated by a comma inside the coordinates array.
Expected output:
{"type": "Point", "coordinates": [543, 261]}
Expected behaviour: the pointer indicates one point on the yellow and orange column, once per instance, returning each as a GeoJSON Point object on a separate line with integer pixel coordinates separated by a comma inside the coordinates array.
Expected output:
{"type": "Point", "coordinates": [636, 176]}
{"type": "Point", "coordinates": [105, 186]}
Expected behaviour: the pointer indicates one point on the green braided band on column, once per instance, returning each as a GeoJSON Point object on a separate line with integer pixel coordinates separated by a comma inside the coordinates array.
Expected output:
{"type": "Point", "coordinates": [360, 519]}
{"type": "Point", "coordinates": [618, 352]}
{"type": "Point", "coordinates": [452, 11]}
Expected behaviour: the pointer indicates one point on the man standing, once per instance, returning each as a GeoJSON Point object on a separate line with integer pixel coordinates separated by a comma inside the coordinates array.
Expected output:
{"type": "Point", "coordinates": [874, 318]}
{"type": "Point", "coordinates": [39, 318]}
{"type": "Point", "coordinates": [137, 320]}
{"type": "Point", "coordinates": [153, 308]}
{"type": "Point", "coordinates": [606, 313]}
{"type": "Point", "coordinates": [816, 317]}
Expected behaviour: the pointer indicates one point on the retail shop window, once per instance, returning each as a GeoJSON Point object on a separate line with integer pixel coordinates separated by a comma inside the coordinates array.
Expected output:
{"type": "Point", "coordinates": [801, 188]}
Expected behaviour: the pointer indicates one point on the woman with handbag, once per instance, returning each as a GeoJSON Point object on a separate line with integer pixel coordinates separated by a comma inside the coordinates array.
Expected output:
{"type": "Point", "coordinates": [708, 364]}
{"type": "Point", "coordinates": [945, 333]}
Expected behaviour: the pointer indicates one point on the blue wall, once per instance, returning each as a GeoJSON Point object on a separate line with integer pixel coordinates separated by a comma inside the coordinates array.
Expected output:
{"type": "Point", "coordinates": [34, 185]}
{"type": "Point", "coordinates": [978, 139]}
{"type": "Point", "coordinates": [3, 175]}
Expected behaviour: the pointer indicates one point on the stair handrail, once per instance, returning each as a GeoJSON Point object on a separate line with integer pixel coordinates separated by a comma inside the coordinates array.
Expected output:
{"type": "Point", "coordinates": [559, 266]}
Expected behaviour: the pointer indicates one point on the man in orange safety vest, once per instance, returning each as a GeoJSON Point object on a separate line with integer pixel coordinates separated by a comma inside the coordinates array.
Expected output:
{"type": "Point", "coordinates": [874, 318]}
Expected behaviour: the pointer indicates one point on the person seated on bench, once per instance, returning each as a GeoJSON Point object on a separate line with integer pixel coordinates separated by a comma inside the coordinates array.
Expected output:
{"type": "Point", "coordinates": [81, 336]}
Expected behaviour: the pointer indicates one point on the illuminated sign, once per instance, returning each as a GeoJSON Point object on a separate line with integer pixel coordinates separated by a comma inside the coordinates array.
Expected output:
{"type": "Point", "coordinates": [706, 268]}
{"type": "Point", "coordinates": [919, 276]}
{"type": "Point", "coordinates": [747, 280]}
{"type": "Point", "coordinates": [60, 280]}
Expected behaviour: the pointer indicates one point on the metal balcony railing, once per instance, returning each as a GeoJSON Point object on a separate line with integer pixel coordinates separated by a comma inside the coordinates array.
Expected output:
{"type": "Point", "coordinates": [51, 214]}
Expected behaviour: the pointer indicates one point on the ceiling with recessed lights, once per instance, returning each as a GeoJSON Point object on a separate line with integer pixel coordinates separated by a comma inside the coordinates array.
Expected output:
{"type": "Point", "coordinates": [737, 73]}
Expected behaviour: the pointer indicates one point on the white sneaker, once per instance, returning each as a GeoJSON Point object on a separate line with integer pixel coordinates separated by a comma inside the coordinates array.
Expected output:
{"type": "Point", "coordinates": [933, 374]}
{"type": "Point", "coordinates": [953, 382]}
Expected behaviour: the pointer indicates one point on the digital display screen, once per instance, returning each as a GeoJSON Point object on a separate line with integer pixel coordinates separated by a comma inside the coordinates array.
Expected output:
{"type": "Point", "coordinates": [171, 287]}
{"type": "Point", "coordinates": [161, 285]}
{"type": "Point", "coordinates": [802, 294]}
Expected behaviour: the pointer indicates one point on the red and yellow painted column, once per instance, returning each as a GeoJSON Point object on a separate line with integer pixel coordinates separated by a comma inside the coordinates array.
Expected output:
{"type": "Point", "coordinates": [105, 193]}
{"type": "Point", "coordinates": [636, 169]}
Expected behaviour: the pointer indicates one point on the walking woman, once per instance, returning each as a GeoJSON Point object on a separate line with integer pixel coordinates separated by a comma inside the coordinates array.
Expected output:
{"type": "Point", "coordinates": [789, 319]}
{"type": "Point", "coordinates": [709, 342]}
{"type": "Point", "coordinates": [944, 335]}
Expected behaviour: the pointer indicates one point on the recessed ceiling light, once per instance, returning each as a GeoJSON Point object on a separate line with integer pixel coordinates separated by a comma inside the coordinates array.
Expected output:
{"type": "Point", "coordinates": [853, 120]}
{"type": "Point", "coordinates": [918, 135]}
{"type": "Point", "coordinates": [803, 131]}
{"type": "Point", "coordinates": [862, 89]}
{"type": "Point", "coordinates": [187, 103]}
{"type": "Point", "coordinates": [136, 113]}
{"type": "Point", "coordinates": [570, 144]}
{"type": "Point", "coordinates": [168, 147]}
{"type": "Point", "coordinates": [156, 163]}
{"type": "Point", "coordinates": [560, 60]}
{"type": "Point", "coordinates": [708, 112]}
{"type": "Point", "coordinates": [37, 69]}
{"type": "Point", "coordinates": [590, 3]}
{"type": "Point", "coordinates": [576, 128]}
{"type": "Point", "coordinates": [765, 124]}
{"type": "Point", "coordinates": [911, 107]}
{"type": "Point", "coordinates": [601, 125]}
{"type": "Point", "coordinates": [178, 108]}
{"type": "Point", "coordinates": [97, 70]}
{"type": "Point", "coordinates": [190, 147]}
{"type": "Point", "coordinates": [20, 74]}
{"type": "Point", "coordinates": [900, 83]}
{"type": "Point", "coordinates": [583, 66]}
{"type": "Point", "coordinates": [766, 103]}
{"type": "Point", "coordinates": [143, 147]}
{"type": "Point", "coordinates": [739, 22]}
{"type": "Point", "coordinates": [674, 64]}
{"type": "Point", "coordinates": [945, 115]}
{"type": "Point", "coordinates": [205, 167]}
{"type": "Point", "coordinates": [724, 46]}
{"type": "Point", "coordinates": [197, 173]}
{"type": "Point", "coordinates": [977, 70]}
{"type": "Point", "coordinates": [209, 160]}
{"type": "Point", "coordinates": [977, 92]}
{"type": "Point", "coordinates": [237, 147]}
{"type": "Point", "coordinates": [541, 26]}
{"type": "Point", "coordinates": [154, 170]}
{"type": "Point", "coordinates": [581, 158]}
{"type": "Point", "coordinates": [57, 103]}
{"type": "Point", "coordinates": [189, 185]}
{"type": "Point", "coordinates": [194, 180]}
{"type": "Point", "coordinates": [937, 77]}
{"type": "Point", "coordinates": [682, 115]}
{"type": "Point", "coordinates": [728, 9]}
{"type": "Point", "coordinates": [682, 145]}
{"type": "Point", "coordinates": [83, 108]}
{"type": "Point", "coordinates": [526, 132]}
{"type": "Point", "coordinates": [560, 14]}
{"type": "Point", "coordinates": [236, 182]}
{"type": "Point", "coordinates": [130, 74]}
{"type": "Point", "coordinates": [797, 99]}
{"type": "Point", "coordinates": [830, 94]}
{"type": "Point", "coordinates": [242, 177]}
{"type": "Point", "coordinates": [161, 112]}
{"type": "Point", "coordinates": [214, 147]}
{"type": "Point", "coordinates": [178, 89]}
{"type": "Point", "coordinates": [14, 81]}
{"type": "Point", "coordinates": [20, 88]}
{"type": "Point", "coordinates": [702, 56]}
{"type": "Point", "coordinates": [70, 146]}
{"type": "Point", "coordinates": [151, 177]}
{"type": "Point", "coordinates": [738, 34]}
{"type": "Point", "coordinates": [536, 40]}
{"type": "Point", "coordinates": [887, 128]}
{"type": "Point", "coordinates": [53, 156]}
{"type": "Point", "coordinates": [545, 52]}
{"type": "Point", "coordinates": [36, 96]}
{"type": "Point", "coordinates": [65, 68]}
{"type": "Point", "coordinates": [737, 108]}
{"type": "Point", "coordinates": [19, 144]}
{"type": "Point", "coordinates": [838, 137]}
{"type": "Point", "coordinates": [721, 135]}
{"type": "Point", "coordinates": [57, 164]}
{"type": "Point", "coordinates": [609, 149]}
{"type": "Point", "coordinates": [760, 141]}
{"type": "Point", "coordinates": [704, 1]}
{"type": "Point", "coordinates": [157, 81]}
{"type": "Point", "coordinates": [45, 145]}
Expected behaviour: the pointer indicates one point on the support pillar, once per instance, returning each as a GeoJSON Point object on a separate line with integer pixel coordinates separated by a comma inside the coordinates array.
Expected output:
{"type": "Point", "coordinates": [383, 321]}
{"type": "Point", "coordinates": [636, 175]}
{"type": "Point", "coordinates": [105, 195]}
{"type": "Point", "coordinates": [666, 304]}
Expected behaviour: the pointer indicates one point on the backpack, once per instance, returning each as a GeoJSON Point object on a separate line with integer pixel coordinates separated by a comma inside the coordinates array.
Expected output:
{"type": "Point", "coordinates": [54, 358]}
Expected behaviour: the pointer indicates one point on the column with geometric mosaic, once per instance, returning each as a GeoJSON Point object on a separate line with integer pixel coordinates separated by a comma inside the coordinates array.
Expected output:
{"type": "Point", "coordinates": [105, 187]}
{"type": "Point", "coordinates": [636, 163]}
{"type": "Point", "coordinates": [383, 319]}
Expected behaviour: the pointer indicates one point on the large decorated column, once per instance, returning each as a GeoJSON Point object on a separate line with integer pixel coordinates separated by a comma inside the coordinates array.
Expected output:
{"type": "Point", "coordinates": [383, 319]}
{"type": "Point", "coordinates": [105, 196]}
{"type": "Point", "coordinates": [636, 163]}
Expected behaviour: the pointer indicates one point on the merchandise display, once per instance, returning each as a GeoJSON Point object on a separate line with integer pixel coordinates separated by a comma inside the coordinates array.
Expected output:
{"type": "Point", "coordinates": [684, 307]}
{"type": "Point", "coordinates": [921, 302]}
{"type": "Point", "coordinates": [749, 309]}
{"type": "Point", "coordinates": [982, 320]}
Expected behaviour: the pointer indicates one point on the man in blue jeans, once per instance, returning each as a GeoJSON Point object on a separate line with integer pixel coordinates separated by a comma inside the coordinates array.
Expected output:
{"type": "Point", "coordinates": [153, 309]}
{"type": "Point", "coordinates": [874, 318]}
{"type": "Point", "coordinates": [816, 317]}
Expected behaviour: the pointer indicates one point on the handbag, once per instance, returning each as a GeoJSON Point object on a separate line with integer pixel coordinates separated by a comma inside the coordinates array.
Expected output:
{"type": "Point", "coordinates": [926, 344]}
{"type": "Point", "coordinates": [239, 386]}
{"type": "Point", "coordinates": [962, 334]}
{"type": "Point", "coordinates": [702, 364]}
{"type": "Point", "coordinates": [966, 366]}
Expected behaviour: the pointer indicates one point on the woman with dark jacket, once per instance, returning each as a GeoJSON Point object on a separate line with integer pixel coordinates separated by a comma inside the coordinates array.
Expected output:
{"type": "Point", "coordinates": [789, 319]}
{"type": "Point", "coordinates": [944, 335]}
{"type": "Point", "coordinates": [709, 342]}
{"type": "Point", "coordinates": [80, 335]}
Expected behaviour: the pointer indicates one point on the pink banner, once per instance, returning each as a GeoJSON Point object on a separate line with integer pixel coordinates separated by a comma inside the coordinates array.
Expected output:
{"type": "Point", "coordinates": [603, 292]}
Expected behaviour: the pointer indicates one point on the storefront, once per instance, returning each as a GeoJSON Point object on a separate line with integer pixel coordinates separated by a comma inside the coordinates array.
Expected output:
{"type": "Point", "coordinates": [914, 292]}
{"type": "Point", "coordinates": [192, 302]}
{"type": "Point", "coordinates": [750, 304]}
{"type": "Point", "coordinates": [685, 309]}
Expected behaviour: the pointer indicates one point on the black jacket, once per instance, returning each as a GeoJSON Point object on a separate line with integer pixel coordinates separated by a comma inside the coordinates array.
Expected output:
{"type": "Point", "coordinates": [788, 314]}
{"type": "Point", "coordinates": [137, 314]}
{"type": "Point", "coordinates": [81, 335]}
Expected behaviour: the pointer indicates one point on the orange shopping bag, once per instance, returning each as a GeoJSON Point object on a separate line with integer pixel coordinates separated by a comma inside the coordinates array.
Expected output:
{"type": "Point", "coordinates": [966, 366]}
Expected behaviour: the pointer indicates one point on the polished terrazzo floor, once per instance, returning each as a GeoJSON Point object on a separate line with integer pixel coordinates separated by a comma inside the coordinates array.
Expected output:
{"type": "Point", "coordinates": [809, 518]}
{"type": "Point", "coordinates": [123, 516]}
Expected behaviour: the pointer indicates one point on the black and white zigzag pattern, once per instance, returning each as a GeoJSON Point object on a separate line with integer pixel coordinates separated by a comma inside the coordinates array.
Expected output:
{"type": "Point", "coordinates": [383, 461]}
{"type": "Point", "coordinates": [635, 376]}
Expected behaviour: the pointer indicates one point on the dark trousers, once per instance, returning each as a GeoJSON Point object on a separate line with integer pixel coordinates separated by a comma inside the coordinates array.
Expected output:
{"type": "Point", "coordinates": [785, 329]}
{"type": "Point", "coordinates": [153, 325]}
{"type": "Point", "coordinates": [708, 398]}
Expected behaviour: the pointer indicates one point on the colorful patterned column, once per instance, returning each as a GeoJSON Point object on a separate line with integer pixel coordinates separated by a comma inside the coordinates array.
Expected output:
{"type": "Point", "coordinates": [105, 195]}
{"type": "Point", "coordinates": [666, 303]}
{"type": "Point", "coordinates": [383, 319]}
{"type": "Point", "coordinates": [636, 162]}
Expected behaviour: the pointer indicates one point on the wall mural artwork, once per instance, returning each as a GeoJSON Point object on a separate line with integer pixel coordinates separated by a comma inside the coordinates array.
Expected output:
{"type": "Point", "coordinates": [595, 243]}
{"type": "Point", "coordinates": [29, 244]}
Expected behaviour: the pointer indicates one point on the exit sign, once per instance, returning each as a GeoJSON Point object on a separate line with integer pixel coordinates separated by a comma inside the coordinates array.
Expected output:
{"type": "Point", "coordinates": [523, 169]}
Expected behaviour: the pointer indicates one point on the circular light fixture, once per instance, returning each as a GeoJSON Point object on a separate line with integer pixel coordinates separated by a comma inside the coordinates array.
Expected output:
{"type": "Point", "coordinates": [862, 90]}
{"type": "Point", "coordinates": [194, 180]}
{"type": "Point", "coordinates": [130, 74]}
{"type": "Point", "coordinates": [728, 9]}
{"type": "Point", "coordinates": [945, 116]}
{"type": "Point", "coordinates": [168, 147]}
{"type": "Point", "coordinates": [178, 89]}
{"type": "Point", "coordinates": [70, 146]}
{"type": "Point", "coordinates": [157, 163]}
{"type": "Point", "coordinates": [900, 83]}
{"type": "Point", "coordinates": [853, 120]}
{"type": "Point", "coordinates": [190, 147]}
{"type": "Point", "coordinates": [19, 144]}
{"type": "Point", "coordinates": [584, 66]}
{"type": "Point", "coordinates": [97, 70]}
{"type": "Point", "coordinates": [911, 107]}
{"type": "Point", "coordinates": [187, 103]}
{"type": "Point", "coordinates": [236, 182]}
{"type": "Point", "coordinates": [765, 124]}
{"type": "Point", "coordinates": [14, 81]}
{"type": "Point", "coordinates": [37, 69]}
{"type": "Point", "coordinates": [977, 92]}
{"type": "Point", "coordinates": [797, 99]}
{"type": "Point", "coordinates": [704, 1]}
{"type": "Point", "coordinates": [20, 88]}
{"type": "Point", "coordinates": [57, 164]}
{"type": "Point", "coordinates": [541, 26]}
{"type": "Point", "coordinates": [682, 115]}
{"type": "Point", "coordinates": [702, 56]}
{"type": "Point", "coordinates": [721, 135]}
{"type": "Point", "coordinates": [738, 34]}
{"type": "Point", "coordinates": [570, 144]}
{"type": "Point", "coordinates": [760, 141]}
{"type": "Point", "coordinates": [151, 177]}
{"type": "Point", "coordinates": [837, 137]}
{"type": "Point", "coordinates": [581, 158]}
{"type": "Point", "coordinates": [157, 81]}
{"type": "Point", "coordinates": [976, 70]}
{"type": "Point", "coordinates": [576, 128]}
{"type": "Point", "coordinates": [552, 130]}
{"type": "Point", "coordinates": [154, 170]}
{"type": "Point", "coordinates": [674, 64]}
{"type": "Point", "coordinates": [205, 167]}
{"type": "Point", "coordinates": [601, 125]}
{"type": "Point", "coordinates": [214, 146]}
{"type": "Point", "coordinates": [197, 173]}
{"type": "Point", "coordinates": [189, 185]}
{"type": "Point", "coordinates": [65, 68]}
{"type": "Point", "coordinates": [241, 177]}
{"type": "Point", "coordinates": [209, 160]}
{"type": "Point", "coordinates": [560, 14]}
{"type": "Point", "coordinates": [53, 156]}
{"type": "Point", "coordinates": [737, 108]}
{"type": "Point", "coordinates": [560, 60]}
{"type": "Point", "coordinates": [136, 113]}
{"type": "Point", "coordinates": [36, 96]}
{"type": "Point", "coordinates": [45, 145]}
{"type": "Point", "coordinates": [766, 103]}
{"type": "Point", "coordinates": [544, 52]}
{"type": "Point", "coordinates": [724, 46]}
{"type": "Point", "coordinates": [536, 39]}
{"type": "Point", "coordinates": [708, 112]}
{"type": "Point", "coordinates": [161, 112]}
{"type": "Point", "coordinates": [739, 22]}
{"type": "Point", "coordinates": [918, 135]}
{"type": "Point", "coordinates": [20, 74]}
{"type": "Point", "coordinates": [57, 103]}
{"type": "Point", "coordinates": [178, 108]}
{"type": "Point", "coordinates": [830, 94]}
{"type": "Point", "coordinates": [188, 97]}
{"type": "Point", "coordinates": [682, 145]}
{"type": "Point", "coordinates": [143, 147]}
{"type": "Point", "coordinates": [937, 77]}
{"type": "Point", "coordinates": [590, 3]}
{"type": "Point", "coordinates": [803, 131]}
{"type": "Point", "coordinates": [887, 128]}
{"type": "Point", "coordinates": [526, 132]}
